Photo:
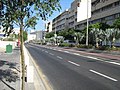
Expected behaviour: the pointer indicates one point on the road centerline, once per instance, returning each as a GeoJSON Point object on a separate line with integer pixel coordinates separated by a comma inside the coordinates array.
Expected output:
{"type": "Point", "coordinates": [74, 63]}
{"type": "Point", "coordinates": [108, 77]}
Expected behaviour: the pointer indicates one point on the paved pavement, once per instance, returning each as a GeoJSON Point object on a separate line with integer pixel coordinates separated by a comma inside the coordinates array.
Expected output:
{"type": "Point", "coordinates": [10, 70]}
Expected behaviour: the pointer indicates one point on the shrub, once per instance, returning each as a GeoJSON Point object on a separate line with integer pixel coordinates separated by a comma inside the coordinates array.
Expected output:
{"type": "Point", "coordinates": [8, 39]}
{"type": "Point", "coordinates": [84, 46]}
{"type": "Point", "coordinates": [66, 45]}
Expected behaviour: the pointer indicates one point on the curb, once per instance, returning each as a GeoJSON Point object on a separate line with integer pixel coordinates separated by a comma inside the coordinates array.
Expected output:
{"type": "Point", "coordinates": [43, 78]}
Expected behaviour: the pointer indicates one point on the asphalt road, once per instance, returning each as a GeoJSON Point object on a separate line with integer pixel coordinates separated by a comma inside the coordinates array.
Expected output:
{"type": "Point", "coordinates": [71, 71]}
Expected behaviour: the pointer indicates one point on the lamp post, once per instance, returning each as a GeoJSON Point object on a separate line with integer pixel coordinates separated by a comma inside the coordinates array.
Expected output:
{"type": "Point", "coordinates": [87, 24]}
{"type": "Point", "coordinates": [55, 35]}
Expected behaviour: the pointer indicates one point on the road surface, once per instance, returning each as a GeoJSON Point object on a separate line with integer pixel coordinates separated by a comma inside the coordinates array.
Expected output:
{"type": "Point", "coordinates": [67, 70]}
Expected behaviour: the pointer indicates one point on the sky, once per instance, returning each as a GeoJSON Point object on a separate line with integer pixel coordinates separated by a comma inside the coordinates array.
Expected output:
{"type": "Point", "coordinates": [65, 4]}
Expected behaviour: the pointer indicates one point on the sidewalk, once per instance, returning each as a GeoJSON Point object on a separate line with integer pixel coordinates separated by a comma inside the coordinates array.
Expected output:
{"type": "Point", "coordinates": [10, 70]}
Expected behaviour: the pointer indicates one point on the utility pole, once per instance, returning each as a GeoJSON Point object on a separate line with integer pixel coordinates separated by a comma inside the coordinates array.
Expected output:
{"type": "Point", "coordinates": [87, 24]}
{"type": "Point", "coordinates": [55, 35]}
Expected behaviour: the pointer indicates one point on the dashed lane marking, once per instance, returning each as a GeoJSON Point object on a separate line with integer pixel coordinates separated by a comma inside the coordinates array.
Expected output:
{"type": "Point", "coordinates": [59, 57]}
{"type": "Point", "coordinates": [74, 63]}
{"type": "Point", "coordinates": [103, 75]}
{"type": "Point", "coordinates": [51, 53]}
{"type": "Point", "coordinates": [46, 51]}
{"type": "Point", "coordinates": [66, 51]}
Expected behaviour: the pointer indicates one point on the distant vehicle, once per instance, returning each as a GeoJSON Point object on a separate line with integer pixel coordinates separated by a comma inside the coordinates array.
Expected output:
{"type": "Point", "coordinates": [70, 42]}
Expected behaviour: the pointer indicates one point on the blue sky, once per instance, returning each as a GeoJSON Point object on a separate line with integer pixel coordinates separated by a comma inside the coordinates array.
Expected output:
{"type": "Point", "coordinates": [65, 4]}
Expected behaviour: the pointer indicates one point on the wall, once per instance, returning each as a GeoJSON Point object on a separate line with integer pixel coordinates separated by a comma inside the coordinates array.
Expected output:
{"type": "Point", "coordinates": [4, 43]}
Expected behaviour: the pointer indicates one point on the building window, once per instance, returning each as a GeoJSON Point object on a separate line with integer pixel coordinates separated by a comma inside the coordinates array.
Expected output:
{"type": "Point", "coordinates": [95, 3]}
{"type": "Point", "coordinates": [109, 18]}
{"type": "Point", "coordinates": [96, 11]}
{"type": "Point", "coordinates": [117, 15]}
{"type": "Point", "coordinates": [117, 3]}
{"type": "Point", "coordinates": [107, 7]}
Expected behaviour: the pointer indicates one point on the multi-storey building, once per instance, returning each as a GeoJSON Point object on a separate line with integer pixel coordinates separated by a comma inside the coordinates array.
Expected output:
{"type": "Point", "coordinates": [105, 11]}
{"type": "Point", "coordinates": [101, 11]}
{"type": "Point", "coordinates": [36, 35]}
{"type": "Point", "coordinates": [60, 22]}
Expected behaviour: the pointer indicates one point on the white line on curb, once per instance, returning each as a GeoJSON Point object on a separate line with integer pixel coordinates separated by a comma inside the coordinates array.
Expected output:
{"type": "Point", "coordinates": [74, 63]}
{"type": "Point", "coordinates": [103, 75]}
{"type": "Point", "coordinates": [59, 57]}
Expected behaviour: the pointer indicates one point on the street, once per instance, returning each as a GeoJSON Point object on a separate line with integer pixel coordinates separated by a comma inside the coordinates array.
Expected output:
{"type": "Point", "coordinates": [67, 70]}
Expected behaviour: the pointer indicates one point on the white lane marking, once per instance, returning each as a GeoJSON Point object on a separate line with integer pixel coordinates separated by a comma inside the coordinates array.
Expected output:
{"type": "Point", "coordinates": [76, 54]}
{"type": "Point", "coordinates": [74, 63]}
{"type": "Point", "coordinates": [59, 57]}
{"type": "Point", "coordinates": [103, 75]}
{"type": "Point", "coordinates": [96, 59]}
{"type": "Point", "coordinates": [92, 57]}
{"type": "Point", "coordinates": [88, 57]}
{"type": "Point", "coordinates": [67, 51]}
{"type": "Point", "coordinates": [46, 51]}
{"type": "Point", "coordinates": [51, 53]}
{"type": "Point", "coordinates": [114, 63]}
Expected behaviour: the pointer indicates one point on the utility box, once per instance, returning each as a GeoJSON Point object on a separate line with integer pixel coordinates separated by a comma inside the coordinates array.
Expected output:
{"type": "Point", "coordinates": [9, 48]}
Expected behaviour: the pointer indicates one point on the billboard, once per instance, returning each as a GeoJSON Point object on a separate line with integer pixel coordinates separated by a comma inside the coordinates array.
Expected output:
{"type": "Point", "coordinates": [82, 9]}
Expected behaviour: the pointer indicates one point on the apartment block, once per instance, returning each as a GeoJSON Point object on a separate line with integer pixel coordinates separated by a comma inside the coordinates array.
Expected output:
{"type": "Point", "coordinates": [101, 11]}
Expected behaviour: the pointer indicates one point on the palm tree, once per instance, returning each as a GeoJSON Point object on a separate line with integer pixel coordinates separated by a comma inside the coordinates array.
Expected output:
{"type": "Point", "coordinates": [96, 32]}
{"type": "Point", "coordinates": [79, 37]}
{"type": "Point", "coordinates": [112, 35]}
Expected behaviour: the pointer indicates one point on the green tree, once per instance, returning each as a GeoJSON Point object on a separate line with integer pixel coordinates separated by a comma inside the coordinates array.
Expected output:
{"type": "Point", "coordinates": [79, 37]}
{"type": "Point", "coordinates": [97, 32]}
{"type": "Point", "coordinates": [49, 35]}
{"type": "Point", "coordinates": [116, 23]}
{"type": "Point", "coordinates": [67, 34]}
{"type": "Point", "coordinates": [112, 35]}
{"type": "Point", "coordinates": [25, 13]}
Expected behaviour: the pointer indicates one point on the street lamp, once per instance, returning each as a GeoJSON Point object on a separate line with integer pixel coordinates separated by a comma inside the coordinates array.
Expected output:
{"type": "Point", "coordinates": [87, 24]}
{"type": "Point", "coordinates": [55, 35]}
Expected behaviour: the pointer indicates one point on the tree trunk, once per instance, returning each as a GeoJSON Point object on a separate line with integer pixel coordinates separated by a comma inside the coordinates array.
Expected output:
{"type": "Point", "coordinates": [22, 56]}
{"type": "Point", "coordinates": [97, 42]}
{"type": "Point", "coordinates": [113, 41]}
